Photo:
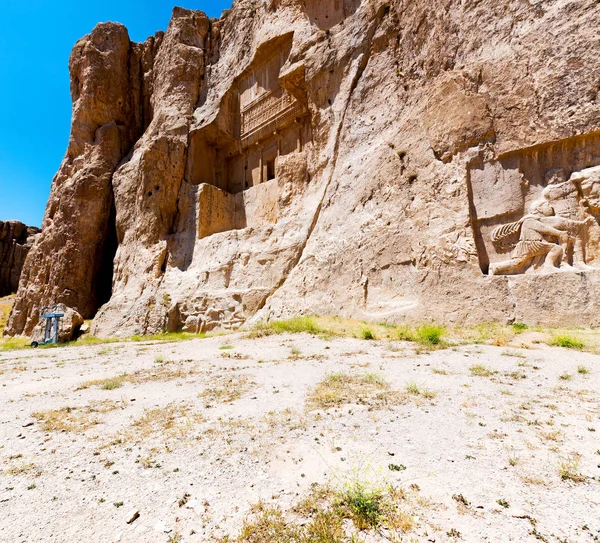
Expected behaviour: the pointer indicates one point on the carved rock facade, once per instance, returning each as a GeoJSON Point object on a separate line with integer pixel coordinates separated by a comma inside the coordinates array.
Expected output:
{"type": "Point", "coordinates": [15, 241]}
{"type": "Point", "coordinates": [372, 158]}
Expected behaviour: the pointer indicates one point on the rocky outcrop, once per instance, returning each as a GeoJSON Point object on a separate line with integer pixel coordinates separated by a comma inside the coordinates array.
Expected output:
{"type": "Point", "coordinates": [357, 158]}
{"type": "Point", "coordinates": [16, 240]}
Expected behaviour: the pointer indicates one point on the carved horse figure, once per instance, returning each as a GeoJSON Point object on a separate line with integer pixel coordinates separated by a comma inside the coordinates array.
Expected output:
{"type": "Point", "coordinates": [540, 234]}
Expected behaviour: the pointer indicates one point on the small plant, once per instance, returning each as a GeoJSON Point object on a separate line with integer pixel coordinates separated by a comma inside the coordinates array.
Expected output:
{"type": "Point", "coordinates": [583, 370]}
{"type": "Point", "coordinates": [111, 384]}
{"type": "Point", "coordinates": [295, 351]}
{"type": "Point", "coordinates": [396, 467]}
{"type": "Point", "coordinates": [566, 341]}
{"type": "Point", "coordinates": [159, 359]}
{"type": "Point", "coordinates": [118, 504]}
{"type": "Point", "coordinates": [461, 499]}
{"type": "Point", "coordinates": [367, 334]}
{"type": "Point", "coordinates": [565, 376]}
{"type": "Point", "coordinates": [481, 370]}
{"type": "Point", "coordinates": [31, 486]}
{"type": "Point", "coordinates": [365, 504]}
{"type": "Point", "coordinates": [430, 334]}
{"type": "Point", "coordinates": [184, 499]}
{"type": "Point", "coordinates": [568, 469]}
{"type": "Point", "coordinates": [519, 326]}
{"type": "Point", "coordinates": [453, 532]}
{"type": "Point", "coordinates": [503, 503]}
{"type": "Point", "coordinates": [414, 390]}
{"type": "Point", "coordinates": [226, 347]}
{"type": "Point", "coordinates": [175, 538]}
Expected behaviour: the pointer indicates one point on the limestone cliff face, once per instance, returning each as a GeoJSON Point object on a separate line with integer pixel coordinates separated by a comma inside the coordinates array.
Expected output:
{"type": "Point", "coordinates": [345, 157]}
{"type": "Point", "coordinates": [15, 241]}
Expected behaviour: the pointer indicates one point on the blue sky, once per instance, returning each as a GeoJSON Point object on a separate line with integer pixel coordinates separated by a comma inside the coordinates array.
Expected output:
{"type": "Point", "coordinates": [36, 37]}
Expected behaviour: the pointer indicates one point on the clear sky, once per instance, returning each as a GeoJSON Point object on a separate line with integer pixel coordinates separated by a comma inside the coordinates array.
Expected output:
{"type": "Point", "coordinates": [36, 37]}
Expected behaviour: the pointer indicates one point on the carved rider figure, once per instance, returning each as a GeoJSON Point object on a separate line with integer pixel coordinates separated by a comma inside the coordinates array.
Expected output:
{"type": "Point", "coordinates": [534, 231]}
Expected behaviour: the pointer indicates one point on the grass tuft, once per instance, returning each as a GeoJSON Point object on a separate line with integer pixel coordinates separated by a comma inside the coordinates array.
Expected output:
{"type": "Point", "coordinates": [330, 516]}
{"type": "Point", "coordinates": [342, 388]}
{"type": "Point", "coordinates": [481, 370]}
{"type": "Point", "coordinates": [414, 390]}
{"type": "Point", "coordinates": [227, 389]}
{"type": "Point", "coordinates": [368, 334]}
{"type": "Point", "coordinates": [296, 325]}
{"type": "Point", "coordinates": [566, 341]}
{"type": "Point", "coordinates": [74, 419]}
{"type": "Point", "coordinates": [568, 469]}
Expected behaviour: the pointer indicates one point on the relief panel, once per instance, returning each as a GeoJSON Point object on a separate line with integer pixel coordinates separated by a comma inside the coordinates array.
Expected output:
{"type": "Point", "coordinates": [537, 210]}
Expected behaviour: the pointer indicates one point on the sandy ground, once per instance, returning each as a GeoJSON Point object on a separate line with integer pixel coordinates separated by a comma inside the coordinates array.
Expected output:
{"type": "Point", "coordinates": [202, 432]}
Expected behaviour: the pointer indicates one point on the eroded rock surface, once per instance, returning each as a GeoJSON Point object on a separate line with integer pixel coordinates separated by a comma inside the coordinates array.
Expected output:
{"type": "Point", "coordinates": [16, 240]}
{"type": "Point", "coordinates": [349, 157]}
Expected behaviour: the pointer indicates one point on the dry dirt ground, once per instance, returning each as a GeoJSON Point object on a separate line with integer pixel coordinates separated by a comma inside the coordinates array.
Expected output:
{"type": "Point", "coordinates": [485, 443]}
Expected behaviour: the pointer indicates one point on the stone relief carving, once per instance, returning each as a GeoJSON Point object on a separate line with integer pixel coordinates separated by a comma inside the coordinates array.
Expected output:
{"type": "Point", "coordinates": [541, 235]}
{"type": "Point", "coordinates": [237, 161]}
{"type": "Point", "coordinates": [530, 216]}
{"type": "Point", "coordinates": [554, 232]}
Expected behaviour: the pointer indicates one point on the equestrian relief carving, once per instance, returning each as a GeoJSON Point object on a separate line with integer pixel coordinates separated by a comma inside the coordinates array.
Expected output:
{"type": "Point", "coordinates": [554, 234]}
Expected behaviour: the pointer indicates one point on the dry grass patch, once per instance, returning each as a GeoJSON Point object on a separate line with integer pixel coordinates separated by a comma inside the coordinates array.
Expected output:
{"type": "Point", "coordinates": [286, 419]}
{"type": "Point", "coordinates": [13, 343]}
{"type": "Point", "coordinates": [227, 389]}
{"type": "Point", "coordinates": [481, 370]}
{"type": "Point", "coordinates": [568, 468]}
{"type": "Point", "coordinates": [161, 373]}
{"type": "Point", "coordinates": [494, 334]}
{"type": "Point", "coordinates": [533, 479]}
{"type": "Point", "coordinates": [343, 388]}
{"type": "Point", "coordinates": [333, 516]}
{"type": "Point", "coordinates": [23, 467]}
{"type": "Point", "coordinates": [75, 419]}
{"type": "Point", "coordinates": [414, 390]}
{"type": "Point", "coordinates": [171, 421]}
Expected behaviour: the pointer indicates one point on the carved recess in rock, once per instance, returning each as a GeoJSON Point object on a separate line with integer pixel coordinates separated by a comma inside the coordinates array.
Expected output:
{"type": "Point", "coordinates": [537, 210]}
{"type": "Point", "coordinates": [236, 160]}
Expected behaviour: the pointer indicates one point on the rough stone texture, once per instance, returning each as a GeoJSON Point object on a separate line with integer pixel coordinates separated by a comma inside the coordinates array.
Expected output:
{"type": "Point", "coordinates": [372, 121]}
{"type": "Point", "coordinates": [16, 240]}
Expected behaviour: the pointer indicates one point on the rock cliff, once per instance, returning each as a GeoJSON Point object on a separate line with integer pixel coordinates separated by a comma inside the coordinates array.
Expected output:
{"type": "Point", "coordinates": [15, 241]}
{"type": "Point", "coordinates": [382, 159]}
